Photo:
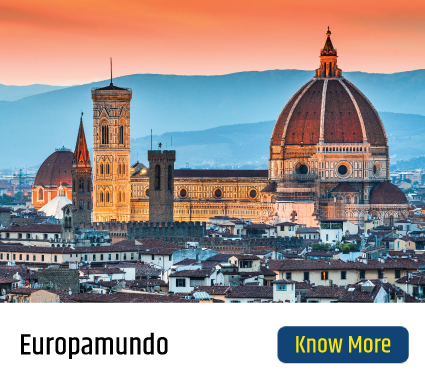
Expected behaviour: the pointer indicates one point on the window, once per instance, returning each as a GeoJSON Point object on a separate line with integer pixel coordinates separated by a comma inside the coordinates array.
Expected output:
{"type": "Point", "coordinates": [125, 256]}
{"type": "Point", "coordinates": [20, 235]}
{"type": "Point", "coordinates": [42, 258]}
{"type": "Point", "coordinates": [28, 236]}
{"type": "Point", "coordinates": [180, 282]}
{"type": "Point", "coordinates": [157, 177]}
{"type": "Point", "coordinates": [55, 258]}
{"type": "Point", "coordinates": [1, 256]}
{"type": "Point", "coordinates": [362, 274]}
{"type": "Point", "coordinates": [182, 193]}
{"type": "Point", "coordinates": [94, 257]}
{"type": "Point", "coordinates": [397, 274]}
{"type": "Point", "coordinates": [107, 169]}
{"type": "Point", "coordinates": [81, 186]}
{"type": "Point", "coordinates": [101, 168]}
{"type": "Point", "coordinates": [380, 274]}
{"type": "Point", "coordinates": [132, 256]}
{"type": "Point", "coordinates": [245, 264]}
{"type": "Point", "coordinates": [153, 257]}
{"type": "Point", "coordinates": [107, 196]}
{"type": "Point", "coordinates": [27, 257]}
{"type": "Point", "coordinates": [170, 257]}
{"type": "Point", "coordinates": [20, 257]}
{"type": "Point", "coordinates": [33, 258]}
{"type": "Point", "coordinates": [121, 135]}
{"type": "Point", "coordinates": [281, 287]}
{"type": "Point", "coordinates": [101, 257]}
{"type": "Point", "coordinates": [105, 134]}
{"type": "Point", "coordinates": [288, 276]}
{"type": "Point", "coordinates": [252, 193]}
{"type": "Point", "coordinates": [81, 205]}
{"type": "Point", "coordinates": [109, 257]}
{"type": "Point", "coordinates": [343, 274]}
{"type": "Point", "coordinates": [218, 193]}
{"type": "Point", "coordinates": [324, 275]}
{"type": "Point", "coordinates": [170, 178]}
{"type": "Point", "coordinates": [306, 275]}
{"type": "Point", "coordinates": [7, 256]}
{"type": "Point", "coordinates": [117, 257]}
{"type": "Point", "coordinates": [44, 236]}
{"type": "Point", "coordinates": [40, 194]}
{"type": "Point", "coordinates": [235, 301]}
{"type": "Point", "coordinates": [85, 257]}
{"type": "Point", "coordinates": [101, 196]}
{"type": "Point", "coordinates": [14, 257]}
{"type": "Point", "coordinates": [140, 256]}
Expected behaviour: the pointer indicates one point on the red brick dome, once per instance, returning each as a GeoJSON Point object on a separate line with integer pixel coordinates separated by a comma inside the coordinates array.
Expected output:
{"type": "Point", "coordinates": [56, 169]}
{"type": "Point", "coordinates": [387, 193]}
{"type": "Point", "coordinates": [345, 113]}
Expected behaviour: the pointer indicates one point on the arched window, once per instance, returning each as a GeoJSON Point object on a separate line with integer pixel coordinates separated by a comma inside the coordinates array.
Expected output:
{"type": "Point", "coordinates": [105, 134]}
{"type": "Point", "coordinates": [123, 168]}
{"type": "Point", "coordinates": [170, 178]}
{"type": "Point", "coordinates": [81, 206]}
{"type": "Point", "coordinates": [119, 168]}
{"type": "Point", "coordinates": [81, 186]}
{"type": "Point", "coordinates": [157, 177]}
{"type": "Point", "coordinates": [123, 196]}
{"type": "Point", "coordinates": [101, 196]}
{"type": "Point", "coordinates": [40, 194]}
{"type": "Point", "coordinates": [121, 135]}
{"type": "Point", "coordinates": [101, 168]}
{"type": "Point", "coordinates": [107, 168]}
{"type": "Point", "coordinates": [119, 196]}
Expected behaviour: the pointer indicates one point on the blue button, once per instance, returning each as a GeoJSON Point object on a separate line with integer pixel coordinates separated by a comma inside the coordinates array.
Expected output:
{"type": "Point", "coordinates": [343, 344]}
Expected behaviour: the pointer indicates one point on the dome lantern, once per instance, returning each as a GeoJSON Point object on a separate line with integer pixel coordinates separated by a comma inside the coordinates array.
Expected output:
{"type": "Point", "coordinates": [328, 60]}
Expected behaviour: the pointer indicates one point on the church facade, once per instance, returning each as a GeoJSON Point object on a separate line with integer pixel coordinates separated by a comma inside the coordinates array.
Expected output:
{"type": "Point", "coordinates": [329, 160]}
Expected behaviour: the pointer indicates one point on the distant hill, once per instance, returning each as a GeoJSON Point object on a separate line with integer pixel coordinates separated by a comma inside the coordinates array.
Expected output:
{"type": "Point", "coordinates": [32, 127]}
{"type": "Point", "coordinates": [14, 93]}
{"type": "Point", "coordinates": [247, 145]}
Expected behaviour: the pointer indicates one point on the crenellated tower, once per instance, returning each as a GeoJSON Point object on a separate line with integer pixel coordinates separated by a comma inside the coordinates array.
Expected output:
{"type": "Point", "coordinates": [161, 185]}
{"type": "Point", "coordinates": [81, 179]}
{"type": "Point", "coordinates": [111, 153]}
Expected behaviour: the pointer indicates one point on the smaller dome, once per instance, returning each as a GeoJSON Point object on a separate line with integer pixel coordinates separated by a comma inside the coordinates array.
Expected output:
{"type": "Point", "coordinates": [387, 193]}
{"type": "Point", "coordinates": [56, 169]}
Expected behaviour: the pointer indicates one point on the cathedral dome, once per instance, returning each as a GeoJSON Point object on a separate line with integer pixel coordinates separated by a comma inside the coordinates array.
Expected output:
{"type": "Point", "coordinates": [56, 169]}
{"type": "Point", "coordinates": [331, 110]}
{"type": "Point", "coordinates": [328, 110]}
{"type": "Point", "coordinates": [387, 193]}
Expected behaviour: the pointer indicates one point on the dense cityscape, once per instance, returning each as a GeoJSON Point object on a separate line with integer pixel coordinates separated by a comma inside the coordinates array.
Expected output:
{"type": "Point", "coordinates": [329, 221]}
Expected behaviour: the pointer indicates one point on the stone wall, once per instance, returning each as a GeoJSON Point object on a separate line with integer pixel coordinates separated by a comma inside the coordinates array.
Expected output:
{"type": "Point", "coordinates": [160, 230]}
{"type": "Point", "coordinates": [59, 279]}
{"type": "Point", "coordinates": [131, 230]}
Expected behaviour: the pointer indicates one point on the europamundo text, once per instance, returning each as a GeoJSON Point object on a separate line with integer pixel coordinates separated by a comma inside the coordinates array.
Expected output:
{"type": "Point", "coordinates": [72, 346]}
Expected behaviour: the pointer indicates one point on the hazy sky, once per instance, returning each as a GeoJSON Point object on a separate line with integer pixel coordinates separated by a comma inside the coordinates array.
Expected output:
{"type": "Point", "coordinates": [70, 42]}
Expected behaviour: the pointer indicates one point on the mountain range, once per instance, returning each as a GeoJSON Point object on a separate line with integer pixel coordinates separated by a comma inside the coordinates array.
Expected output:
{"type": "Point", "coordinates": [14, 93]}
{"type": "Point", "coordinates": [32, 127]}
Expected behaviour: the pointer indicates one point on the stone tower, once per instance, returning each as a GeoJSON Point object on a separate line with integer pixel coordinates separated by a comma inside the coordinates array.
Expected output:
{"type": "Point", "coordinates": [161, 185]}
{"type": "Point", "coordinates": [81, 179]}
{"type": "Point", "coordinates": [111, 153]}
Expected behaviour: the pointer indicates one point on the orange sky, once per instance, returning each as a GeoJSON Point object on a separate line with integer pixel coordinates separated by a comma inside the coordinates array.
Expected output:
{"type": "Point", "coordinates": [70, 42]}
